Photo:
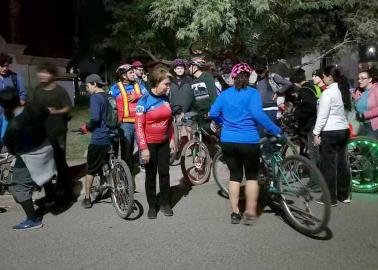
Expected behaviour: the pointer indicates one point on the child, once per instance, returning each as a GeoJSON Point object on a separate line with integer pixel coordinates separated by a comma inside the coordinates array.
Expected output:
{"type": "Point", "coordinates": [100, 141]}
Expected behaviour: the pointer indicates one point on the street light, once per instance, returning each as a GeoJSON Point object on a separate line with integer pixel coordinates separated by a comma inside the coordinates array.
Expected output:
{"type": "Point", "coordinates": [370, 52]}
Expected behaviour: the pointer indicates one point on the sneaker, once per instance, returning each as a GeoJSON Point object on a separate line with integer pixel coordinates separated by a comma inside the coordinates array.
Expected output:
{"type": "Point", "coordinates": [29, 224]}
{"type": "Point", "coordinates": [347, 200]}
{"type": "Point", "coordinates": [249, 219]}
{"type": "Point", "coordinates": [86, 203]}
{"type": "Point", "coordinates": [166, 210]}
{"type": "Point", "coordinates": [235, 218]}
{"type": "Point", "coordinates": [151, 213]}
{"type": "Point", "coordinates": [320, 201]}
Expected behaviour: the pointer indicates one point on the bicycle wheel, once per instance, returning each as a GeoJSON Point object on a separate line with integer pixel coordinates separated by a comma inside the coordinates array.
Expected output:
{"type": "Point", "coordinates": [122, 187]}
{"type": "Point", "coordinates": [363, 159]}
{"type": "Point", "coordinates": [177, 136]}
{"type": "Point", "coordinates": [304, 195]}
{"type": "Point", "coordinates": [195, 162]}
{"type": "Point", "coordinates": [221, 173]}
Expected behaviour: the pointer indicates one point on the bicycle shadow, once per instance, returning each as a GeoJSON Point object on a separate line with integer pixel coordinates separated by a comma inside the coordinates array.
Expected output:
{"type": "Point", "coordinates": [275, 209]}
{"type": "Point", "coordinates": [179, 191]}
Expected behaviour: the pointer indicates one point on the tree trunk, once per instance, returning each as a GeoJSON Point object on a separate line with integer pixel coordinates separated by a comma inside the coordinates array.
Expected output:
{"type": "Point", "coordinates": [14, 21]}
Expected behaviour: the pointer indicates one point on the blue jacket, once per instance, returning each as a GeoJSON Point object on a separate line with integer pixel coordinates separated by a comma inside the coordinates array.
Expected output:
{"type": "Point", "coordinates": [7, 81]}
{"type": "Point", "coordinates": [240, 111]}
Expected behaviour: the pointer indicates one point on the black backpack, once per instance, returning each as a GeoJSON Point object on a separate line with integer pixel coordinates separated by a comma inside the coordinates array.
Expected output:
{"type": "Point", "coordinates": [110, 116]}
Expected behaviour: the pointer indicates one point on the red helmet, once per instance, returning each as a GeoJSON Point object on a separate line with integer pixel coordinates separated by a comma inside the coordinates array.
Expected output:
{"type": "Point", "coordinates": [137, 64]}
{"type": "Point", "coordinates": [239, 68]}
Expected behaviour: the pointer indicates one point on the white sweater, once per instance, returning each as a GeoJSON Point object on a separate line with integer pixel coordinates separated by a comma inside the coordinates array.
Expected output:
{"type": "Point", "coordinates": [331, 115]}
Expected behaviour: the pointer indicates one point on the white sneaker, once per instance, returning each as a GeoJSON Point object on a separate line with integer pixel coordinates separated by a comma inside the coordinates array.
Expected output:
{"type": "Point", "coordinates": [347, 200]}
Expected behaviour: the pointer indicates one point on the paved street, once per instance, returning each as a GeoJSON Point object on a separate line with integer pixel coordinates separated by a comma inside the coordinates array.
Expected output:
{"type": "Point", "coordinates": [198, 236]}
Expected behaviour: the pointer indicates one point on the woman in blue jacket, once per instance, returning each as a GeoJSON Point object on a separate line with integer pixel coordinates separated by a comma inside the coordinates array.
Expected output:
{"type": "Point", "coordinates": [239, 109]}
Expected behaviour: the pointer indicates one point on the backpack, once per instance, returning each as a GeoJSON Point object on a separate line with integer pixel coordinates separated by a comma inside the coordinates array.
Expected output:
{"type": "Point", "coordinates": [110, 116]}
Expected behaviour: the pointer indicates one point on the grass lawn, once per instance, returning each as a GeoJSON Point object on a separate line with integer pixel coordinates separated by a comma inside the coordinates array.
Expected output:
{"type": "Point", "coordinates": [77, 144]}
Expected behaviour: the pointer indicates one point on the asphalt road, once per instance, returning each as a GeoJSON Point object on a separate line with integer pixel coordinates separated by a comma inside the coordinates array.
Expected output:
{"type": "Point", "coordinates": [198, 236]}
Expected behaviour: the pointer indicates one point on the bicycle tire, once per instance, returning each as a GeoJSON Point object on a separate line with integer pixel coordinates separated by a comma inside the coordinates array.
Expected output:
{"type": "Point", "coordinates": [122, 188]}
{"type": "Point", "coordinates": [219, 168]}
{"type": "Point", "coordinates": [304, 221]}
{"type": "Point", "coordinates": [363, 159]}
{"type": "Point", "coordinates": [177, 135]}
{"type": "Point", "coordinates": [203, 165]}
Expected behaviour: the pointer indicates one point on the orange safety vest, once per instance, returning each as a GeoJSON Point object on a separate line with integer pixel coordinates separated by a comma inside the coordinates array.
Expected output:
{"type": "Point", "coordinates": [126, 106]}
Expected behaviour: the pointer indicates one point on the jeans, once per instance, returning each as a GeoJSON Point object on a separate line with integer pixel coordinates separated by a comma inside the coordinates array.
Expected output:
{"type": "Point", "coordinates": [334, 163]}
{"type": "Point", "coordinates": [313, 150]}
{"type": "Point", "coordinates": [127, 140]}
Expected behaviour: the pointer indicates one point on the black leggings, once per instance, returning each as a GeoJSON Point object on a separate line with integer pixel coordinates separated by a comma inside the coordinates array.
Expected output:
{"type": "Point", "coordinates": [159, 161]}
{"type": "Point", "coordinates": [239, 156]}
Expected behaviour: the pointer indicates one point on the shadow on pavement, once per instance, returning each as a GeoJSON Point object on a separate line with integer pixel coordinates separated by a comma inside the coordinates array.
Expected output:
{"type": "Point", "coordinates": [276, 209]}
{"type": "Point", "coordinates": [179, 191]}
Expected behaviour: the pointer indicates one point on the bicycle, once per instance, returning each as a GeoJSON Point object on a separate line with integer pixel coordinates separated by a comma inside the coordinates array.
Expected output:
{"type": "Point", "coordinates": [6, 164]}
{"type": "Point", "coordinates": [115, 177]}
{"type": "Point", "coordinates": [363, 159]}
{"type": "Point", "coordinates": [195, 155]}
{"type": "Point", "coordinates": [292, 181]}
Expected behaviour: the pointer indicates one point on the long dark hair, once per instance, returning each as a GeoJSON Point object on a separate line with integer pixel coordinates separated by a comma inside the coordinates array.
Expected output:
{"type": "Point", "coordinates": [343, 84]}
{"type": "Point", "coordinates": [242, 80]}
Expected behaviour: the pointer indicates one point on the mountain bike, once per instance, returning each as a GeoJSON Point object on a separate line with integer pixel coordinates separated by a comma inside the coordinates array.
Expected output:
{"type": "Point", "coordinates": [363, 159]}
{"type": "Point", "coordinates": [115, 176]}
{"type": "Point", "coordinates": [195, 155]}
{"type": "Point", "coordinates": [6, 164]}
{"type": "Point", "coordinates": [294, 182]}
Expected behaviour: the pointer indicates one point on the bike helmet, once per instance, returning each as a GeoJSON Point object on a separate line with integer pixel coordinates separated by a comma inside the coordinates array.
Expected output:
{"type": "Point", "coordinates": [239, 68]}
{"type": "Point", "coordinates": [137, 64]}
{"type": "Point", "coordinates": [178, 63]}
{"type": "Point", "coordinates": [124, 68]}
{"type": "Point", "coordinates": [198, 61]}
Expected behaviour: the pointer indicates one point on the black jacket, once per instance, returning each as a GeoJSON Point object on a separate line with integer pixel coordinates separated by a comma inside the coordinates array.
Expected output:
{"type": "Point", "coordinates": [26, 131]}
{"type": "Point", "coordinates": [181, 96]}
{"type": "Point", "coordinates": [306, 107]}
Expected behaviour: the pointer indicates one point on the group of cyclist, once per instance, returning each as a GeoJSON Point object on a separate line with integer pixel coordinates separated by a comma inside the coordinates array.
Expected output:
{"type": "Point", "coordinates": [245, 111]}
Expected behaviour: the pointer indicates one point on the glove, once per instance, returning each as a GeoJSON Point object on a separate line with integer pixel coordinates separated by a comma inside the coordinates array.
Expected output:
{"type": "Point", "coordinates": [360, 117]}
{"type": "Point", "coordinates": [84, 129]}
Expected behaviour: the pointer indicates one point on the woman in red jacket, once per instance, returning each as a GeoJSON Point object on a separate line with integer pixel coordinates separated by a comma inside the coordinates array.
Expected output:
{"type": "Point", "coordinates": [153, 125]}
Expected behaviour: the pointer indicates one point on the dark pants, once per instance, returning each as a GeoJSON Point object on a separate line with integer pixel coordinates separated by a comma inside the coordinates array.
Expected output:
{"type": "Point", "coordinates": [63, 180]}
{"type": "Point", "coordinates": [159, 162]}
{"type": "Point", "coordinates": [334, 163]}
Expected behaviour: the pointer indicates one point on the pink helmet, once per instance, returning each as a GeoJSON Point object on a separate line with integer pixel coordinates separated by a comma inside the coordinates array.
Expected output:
{"type": "Point", "coordinates": [239, 68]}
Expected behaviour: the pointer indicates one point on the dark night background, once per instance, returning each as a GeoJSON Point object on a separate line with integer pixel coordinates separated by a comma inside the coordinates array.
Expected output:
{"type": "Point", "coordinates": [47, 28]}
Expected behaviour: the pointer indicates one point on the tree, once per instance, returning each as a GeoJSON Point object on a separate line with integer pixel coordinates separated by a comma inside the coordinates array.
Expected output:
{"type": "Point", "coordinates": [224, 28]}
